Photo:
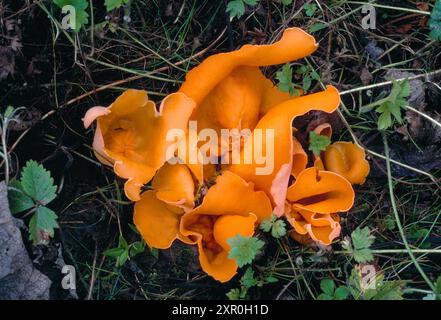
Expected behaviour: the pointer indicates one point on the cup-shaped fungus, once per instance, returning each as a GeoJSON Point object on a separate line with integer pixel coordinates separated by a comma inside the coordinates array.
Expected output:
{"type": "Point", "coordinates": [348, 160]}
{"type": "Point", "coordinates": [157, 215]}
{"type": "Point", "coordinates": [279, 121]}
{"type": "Point", "coordinates": [230, 90]}
{"type": "Point", "coordinates": [231, 207]}
{"type": "Point", "coordinates": [313, 201]}
{"type": "Point", "coordinates": [131, 134]}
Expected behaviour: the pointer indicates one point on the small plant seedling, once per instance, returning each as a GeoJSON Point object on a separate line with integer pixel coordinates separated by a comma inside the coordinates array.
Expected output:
{"type": "Point", "coordinates": [330, 292]}
{"type": "Point", "coordinates": [318, 143]}
{"type": "Point", "coordinates": [248, 281]}
{"type": "Point", "coordinates": [34, 191]}
{"type": "Point", "coordinates": [277, 227]}
{"type": "Point", "coordinates": [435, 22]}
{"type": "Point", "coordinates": [284, 80]}
{"type": "Point", "coordinates": [390, 107]}
{"type": "Point", "coordinates": [125, 251]}
{"type": "Point", "coordinates": [244, 249]}
{"type": "Point", "coordinates": [310, 9]}
{"type": "Point", "coordinates": [376, 289]}
{"type": "Point", "coordinates": [308, 75]}
{"type": "Point", "coordinates": [360, 248]}
{"type": "Point", "coordinates": [236, 8]}
{"type": "Point", "coordinates": [81, 15]}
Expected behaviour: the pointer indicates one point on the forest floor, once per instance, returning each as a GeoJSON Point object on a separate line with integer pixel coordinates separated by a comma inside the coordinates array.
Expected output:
{"type": "Point", "coordinates": [56, 75]}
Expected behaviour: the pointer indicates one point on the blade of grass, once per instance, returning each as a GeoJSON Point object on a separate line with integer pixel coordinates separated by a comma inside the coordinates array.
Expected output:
{"type": "Point", "coordinates": [397, 217]}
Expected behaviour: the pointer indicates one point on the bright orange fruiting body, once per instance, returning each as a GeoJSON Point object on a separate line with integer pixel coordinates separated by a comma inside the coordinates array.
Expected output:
{"type": "Point", "coordinates": [229, 91]}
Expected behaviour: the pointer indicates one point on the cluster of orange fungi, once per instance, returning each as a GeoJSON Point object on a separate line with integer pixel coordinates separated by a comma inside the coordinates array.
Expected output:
{"type": "Point", "coordinates": [228, 90]}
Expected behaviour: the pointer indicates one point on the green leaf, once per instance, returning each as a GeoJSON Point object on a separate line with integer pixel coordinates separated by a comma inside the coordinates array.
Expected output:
{"type": "Point", "coordinates": [248, 279]}
{"type": "Point", "coordinates": [38, 183]}
{"type": "Point", "coordinates": [306, 83]}
{"type": "Point", "coordinates": [114, 4]}
{"type": "Point", "coordinates": [360, 248]}
{"type": "Point", "coordinates": [286, 2]}
{"type": "Point", "coordinates": [235, 9]}
{"type": "Point", "coordinates": [310, 9]}
{"type": "Point", "coordinates": [341, 293]}
{"type": "Point", "coordinates": [271, 279]}
{"type": "Point", "coordinates": [317, 142]}
{"type": "Point", "coordinates": [251, 2]}
{"type": "Point", "coordinates": [324, 296]}
{"type": "Point", "coordinates": [233, 294]}
{"type": "Point", "coordinates": [317, 27]}
{"type": "Point", "coordinates": [122, 243]}
{"type": "Point", "coordinates": [9, 111]}
{"type": "Point", "coordinates": [363, 255]}
{"type": "Point", "coordinates": [18, 200]}
{"type": "Point", "coordinates": [267, 224]}
{"type": "Point", "coordinates": [389, 290]}
{"type": "Point", "coordinates": [390, 106]}
{"type": "Point", "coordinates": [42, 225]}
{"type": "Point", "coordinates": [435, 22]}
{"type": "Point", "coordinates": [136, 248]}
{"type": "Point", "coordinates": [244, 249]}
{"type": "Point", "coordinates": [284, 80]}
{"type": "Point", "coordinates": [114, 252]}
{"type": "Point", "coordinates": [384, 121]}
{"type": "Point", "coordinates": [327, 286]}
{"type": "Point", "coordinates": [362, 240]}
{"type": "Point", "coordinates": [122, 259]}
{"type": "Point", "coordinates": [279, 229]}
{"type": "Point", "coordinates": [276, 226]}
{"type": "Point", "coordinates": [81, 16]}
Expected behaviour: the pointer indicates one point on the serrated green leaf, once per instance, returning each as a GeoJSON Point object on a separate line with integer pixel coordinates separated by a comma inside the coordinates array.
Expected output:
{"type": "Point", "coordinates": [18, 200]}
{"type": "Point", "coordinates": [248, 279]}
{"type": "Point", "coordinates": [37, 182]}
{"type": "Point", "coordinates": [42, 225]}
{"type": "Point", "coordinates": [317, 142]}
{"type": "Point", "coordinates": [235, 8]}
{"type": "Point", "coordinates": [388, 290]}
{"type": "Point", "coordinates": [361, 238]}
{"type": "Point", "coordinates": [327, 286]}
{"type": "Point", "coordinates": [284, 79]}
{"type": "Point", "coordinates": [279, 229]}
{"type": "Point", "coordinates": [435, 22]}
{"type": "Point", "coordinates": [363, 255]}
{"type": "Point", "coordinates": [310, 9]}
{"type": "Point", "coordinates": [81, 16]}
{"type": "Point", "coordinates": [267, 224]}
{"type": "Point", "coordinates": [384, 121]}
{"type": "Point", "coordinates": [392, 104]}
{"type": "Point", "coordinates": [233, 294]}
{"type": "Point", "coordinates": [244, 249]}
{"type": "Point", "coordinates": [114, 4]}
{"type": "Point", "coordinates": [306, 83]}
